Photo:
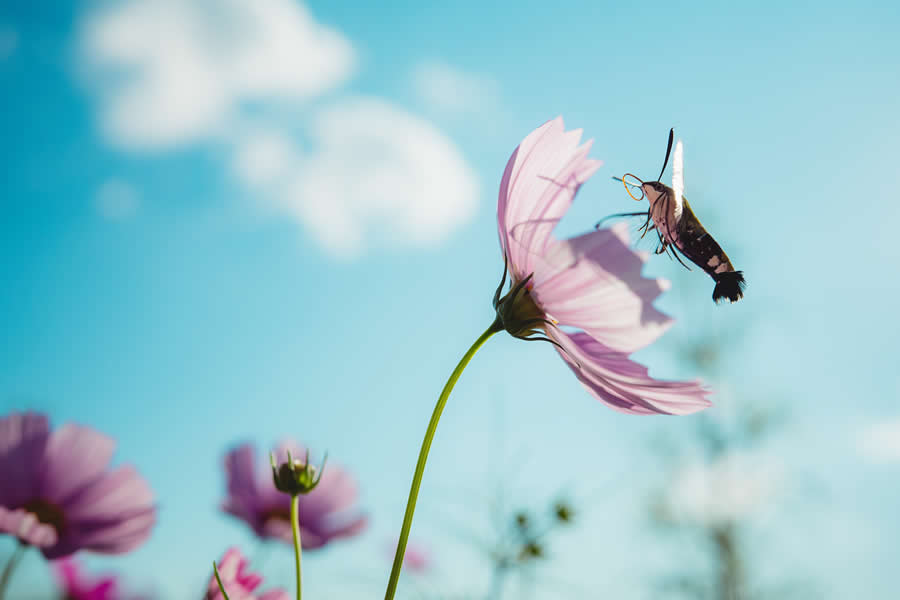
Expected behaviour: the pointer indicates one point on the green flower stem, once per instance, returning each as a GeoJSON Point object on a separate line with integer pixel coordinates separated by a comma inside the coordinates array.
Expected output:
{"type": "Point", "coordinates": [219, 581]}
{"type": "Point", "coordinates": [295, 526]}
{"type": "Point", "coordinates": [423, 456]}
{"type": "Point", "coordinates": [10, 567]}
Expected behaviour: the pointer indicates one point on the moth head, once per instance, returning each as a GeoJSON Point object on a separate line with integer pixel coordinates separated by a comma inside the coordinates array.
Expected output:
{"type": "Point", "coordinates": [653, 190]}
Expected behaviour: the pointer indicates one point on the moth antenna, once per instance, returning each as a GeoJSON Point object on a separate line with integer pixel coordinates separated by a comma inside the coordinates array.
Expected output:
{"type": "Point", "coordinates": [668, 152]}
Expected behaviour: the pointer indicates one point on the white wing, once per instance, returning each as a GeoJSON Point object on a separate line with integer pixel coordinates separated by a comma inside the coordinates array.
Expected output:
{"type": "Point", "coordinates": [678, 177]}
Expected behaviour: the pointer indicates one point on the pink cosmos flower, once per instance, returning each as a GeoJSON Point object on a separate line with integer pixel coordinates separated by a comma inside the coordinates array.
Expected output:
{"type": "Point", "coordinates": [239, 584]}
{"type": "Point", "coordinates": [591, 284]}
{"type": "Point", "coordinates": [326, 513]}
{"type": "Point", "coordinates": [75, 585]}
{"type": "Point", "coordinates": [59, 494]}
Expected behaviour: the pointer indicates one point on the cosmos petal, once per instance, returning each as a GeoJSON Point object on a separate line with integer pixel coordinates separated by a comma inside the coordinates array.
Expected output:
{"type": "Point", "coordinates": [25, 526]}
{"type": "Point", "coordinates": [624, 384]}
{"type": "Point", "coordinates": [23, 440]}
{"type": "Point", "coordinates": [117, 492]}
{"type": "Point", "coordinates": [74, 458]}
{"type": "Point", "coordinates": [327, 512]}
{"type": "Point", "coordinates": [337, 491]}
{"type": "Point", "coordinates": [238, 581]}
{"type": "Point", "coordinates": [541, 179]}
{"type": "Point", "coordinates": [66, 498]}
{"type": "Point", "coordinates": [593, 282]}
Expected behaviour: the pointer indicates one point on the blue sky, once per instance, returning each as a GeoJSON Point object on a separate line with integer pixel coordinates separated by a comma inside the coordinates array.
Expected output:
{"type": "Point", "coordinates": [206, 238]}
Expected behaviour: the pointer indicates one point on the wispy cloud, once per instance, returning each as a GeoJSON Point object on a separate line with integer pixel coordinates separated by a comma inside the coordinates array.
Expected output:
{"type": "Point", "coordinates": [378, 173]}
{"type": "Point", "coordinates": [117, 200]}
{"type": "Point", "coordinates": [451, 90]}
{"type": "Point", "coordinates": [880, 442]}
{"type": "Point", "coordinates": [9, 41]}
{"type": "Point", "coordinates": [173, 72]}
{"type": "Point", "coordinates": [365, 172]}
{"type": "Point", "coordinates": [735, 486]}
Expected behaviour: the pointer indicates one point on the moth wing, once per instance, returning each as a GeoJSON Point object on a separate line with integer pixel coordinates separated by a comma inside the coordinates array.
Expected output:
{"type": "Point", "coordinates": [678, 177]}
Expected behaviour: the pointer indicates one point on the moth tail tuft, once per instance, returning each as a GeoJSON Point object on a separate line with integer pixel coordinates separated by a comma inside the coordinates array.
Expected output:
{"type": "Point", "coordinates": [729, 285]}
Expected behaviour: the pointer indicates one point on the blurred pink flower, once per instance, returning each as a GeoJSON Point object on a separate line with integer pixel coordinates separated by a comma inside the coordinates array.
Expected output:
{"type": "Point", "coordinates": [59, 494]}
{"type": "Point", "coordinates": [75, 585]}
{"type": "Point", "coordinates": [239, 584]}
{"type": "Point", "coordinates": [591, 283]}
{"type": "Point", "coordinates": [326, 513]}
{"type": "Point", "coordinates": [416, 559]}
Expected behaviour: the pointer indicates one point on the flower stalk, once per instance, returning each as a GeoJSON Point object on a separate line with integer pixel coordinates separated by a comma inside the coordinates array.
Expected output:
{"type": "Point", "coordinates": [296, 477]}
{"type": "Point", "coordinates": [219, 581]}
{"type": "Point", "coordinates": [295, 527]}
{"type": "Point", "coordinates": [9, 568]}
{"type": "Point", "coordinates": [496, 326]}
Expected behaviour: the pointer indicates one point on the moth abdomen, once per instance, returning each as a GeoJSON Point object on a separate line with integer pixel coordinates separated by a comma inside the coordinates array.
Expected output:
{"type": "Point", "coordinates": [730, 285]}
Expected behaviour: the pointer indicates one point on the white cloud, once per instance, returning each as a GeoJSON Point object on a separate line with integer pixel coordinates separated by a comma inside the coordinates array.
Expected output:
{"type": "Point", "coordinates": [363, 172]}
{"type": "Point", "coordinates": [377, 174]}
{"type": "Point", "coordinates": [170, 72]}
{"type": "Point", "coordinates": [9, 41]}
{"type": "Point", "coordinates": [264, 157]}
{"type": "Point", "coordinates": [733, 487]}
{"type": "Point", "coordinates": [451, 90]}
{"type": "Point", "coordinates": [117, 200]}
{"type": "Point", "coordinates": [880, 442]}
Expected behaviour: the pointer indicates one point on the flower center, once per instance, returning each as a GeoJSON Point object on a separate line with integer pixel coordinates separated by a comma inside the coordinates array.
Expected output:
{"type": "Point", "coordinates": [277, 514]}
{"type": "Point", "coordinates": [47, 513]}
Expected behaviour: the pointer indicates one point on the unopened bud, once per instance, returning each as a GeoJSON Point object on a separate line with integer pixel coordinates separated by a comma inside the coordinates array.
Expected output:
{"type": "Point", "coordinates": [296, 476]}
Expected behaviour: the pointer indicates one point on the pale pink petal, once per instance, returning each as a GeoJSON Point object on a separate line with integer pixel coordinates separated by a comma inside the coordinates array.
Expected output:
{"type": "Point", "coordinates": [624, 384]}
{"type": "Point", "coordinates": [68, 573]}
{"type": "Point", "coordinates": [23, 440]}
{"type": "Point", "coordinates": [297, 451]}
{"type": "Point", "coordinates": [326, 513]}
{"type": "Point", "coordinates": [63, 478]}
{"type": "Point", "coordinates": [76, 585]}
{"type": "Point", "coordinates": [112, 516]}
{"type": "Point", "coordinates": [240, 471]}
{"type": "Point", "coordinates": [593, 282]}
{"type": "Point", "coordinates": [238, 581]}
{"type": "Point", "coordinates": [107, 536]}
{"type": "Point", "coordinates": [538, 185]}
{"type": "Point", "coordinates": [279, 529]}
{"type": "Point", "coordinates": [75, 456]}
{"type": "Point", "coordinates": [345, 525]}
{"type": "Point", "coordinates": [25, 526]}
{"type": "Point", "coordinates": [337, 491]}
{"type": "Point", "coordinates": [18, 428]}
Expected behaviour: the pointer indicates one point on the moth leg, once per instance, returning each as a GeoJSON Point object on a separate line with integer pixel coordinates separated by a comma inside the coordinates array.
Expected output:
{"type": "Point", "coordinates": [675, 253]}
{"type": "Point", "coordinates": [669, 232]}
{"type": "Point", "coordinates": [648, 225]}
{"type": "Point", "coordinates": [625, 214]}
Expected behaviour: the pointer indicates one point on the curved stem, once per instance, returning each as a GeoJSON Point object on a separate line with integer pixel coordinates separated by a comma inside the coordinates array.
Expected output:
{"type": "Point", "coordinates": [423, 456]}
{"type": "Point", "coordinates": [295, 526]}
{"type": "Point", "coordinates": [498, 576]}
{"type": "Point", "coordinates": [10, 567]}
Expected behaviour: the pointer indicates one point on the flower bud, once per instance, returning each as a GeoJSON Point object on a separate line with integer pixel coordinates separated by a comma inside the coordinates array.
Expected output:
{"type": "Point", "coordinates": [296, 476]}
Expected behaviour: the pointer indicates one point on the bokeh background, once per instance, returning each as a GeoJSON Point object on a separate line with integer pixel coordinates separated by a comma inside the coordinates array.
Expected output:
{"type": "Point", "coordinates": [226, 221]}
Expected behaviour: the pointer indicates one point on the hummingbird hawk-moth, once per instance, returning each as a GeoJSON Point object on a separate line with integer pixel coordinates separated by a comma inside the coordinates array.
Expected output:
{"type": "Point", "coordinates": [679, 230]}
